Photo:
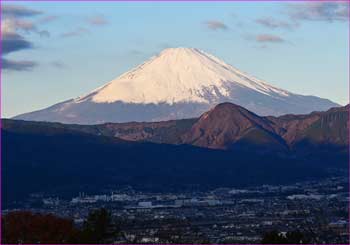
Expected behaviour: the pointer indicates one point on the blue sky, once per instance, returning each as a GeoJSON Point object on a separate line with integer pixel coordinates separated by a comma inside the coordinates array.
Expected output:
{"type": "Point", "coordinates": [55, 51]}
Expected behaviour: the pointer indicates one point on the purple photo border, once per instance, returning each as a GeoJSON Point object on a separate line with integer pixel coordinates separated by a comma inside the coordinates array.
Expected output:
{"type": "Point", "coordinates": [197, 1]}
{"type": "Point", "coordinates": [0, 123]}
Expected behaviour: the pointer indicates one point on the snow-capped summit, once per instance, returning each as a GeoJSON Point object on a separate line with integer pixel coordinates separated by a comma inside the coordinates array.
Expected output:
{"type": "Point", "coordinates": [179, 75]}
{"type": "Point", "coordinates": [177, 83]}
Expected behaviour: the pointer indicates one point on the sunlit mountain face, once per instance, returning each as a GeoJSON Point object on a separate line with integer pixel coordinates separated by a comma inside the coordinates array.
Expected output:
{"type": "Point", "coordinates": [178, 83]}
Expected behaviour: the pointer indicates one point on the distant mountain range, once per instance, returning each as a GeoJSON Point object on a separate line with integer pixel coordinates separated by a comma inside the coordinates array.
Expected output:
{"type": "Point", "coordinates": [176, 84]}
{"type": "Point", "coordinates": [227, 146]}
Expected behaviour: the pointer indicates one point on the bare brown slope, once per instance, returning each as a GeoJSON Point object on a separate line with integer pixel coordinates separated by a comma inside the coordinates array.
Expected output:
{"type": "Point", "coordinates": [168, 132]}
{"type": "Point", "coordinates": [289, 127]}
{"type": "Point", "coordinates": [328, 127]}
{"type": "Point", "coordinates": [227, 124]}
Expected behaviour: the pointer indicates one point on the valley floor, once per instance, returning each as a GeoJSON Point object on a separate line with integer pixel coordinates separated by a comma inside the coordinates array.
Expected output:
{"type": "Point", "coordinates": [316, 209]}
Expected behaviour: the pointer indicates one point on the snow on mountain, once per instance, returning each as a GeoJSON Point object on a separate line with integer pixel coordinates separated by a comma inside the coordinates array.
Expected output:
{"type": "Point", "coordinates": [178, 75]}
{"type": "Point", "coordinates": [177, 83]}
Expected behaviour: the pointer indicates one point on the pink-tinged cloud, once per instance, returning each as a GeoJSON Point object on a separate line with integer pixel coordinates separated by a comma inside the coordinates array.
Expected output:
{"type": "Point", "coordinates": [268, 38]}
{"type": "Point", "coordinates": [75, 33]}
{"type": "Point", "coordinates": [274, 24]}
{"type": "Point", "coordinates": [97, 20]}
{"type": "Point", "coordinates": [48, 19]}
{"type": "Point", "coordinates": [319, 11]}
{"type": "Point", "coordinates": [215, 25]}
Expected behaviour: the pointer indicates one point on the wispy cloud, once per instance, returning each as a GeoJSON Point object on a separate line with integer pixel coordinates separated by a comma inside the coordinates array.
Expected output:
{"type": "Point", "coordinates": [48, 19]}
{"type": "Point", "coordinates": [274, 24]}
{"type": "Point", "coordinates": [14, 26]}
{"type": "Point", "coordinates": [97, 20]}
{"type": "Point", "coordinates": [75, 33]}
{"type": "Point", "coordinates": [9, 10]}
{"type": "Point", "coordinates": [215, 25]}
{"type": "Point", "coordinates": [12, 42]}
{"type": "Point", "coordinates": [319, 11]}
{"type": "Point", "coordinates": [309, 11]}
{"type": "Point", "coordinates": [22, 65]}
{"type": "Point", "coordinates": [269, 38]}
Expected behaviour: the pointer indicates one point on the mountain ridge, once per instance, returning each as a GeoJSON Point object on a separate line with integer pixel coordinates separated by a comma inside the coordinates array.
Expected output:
{"type": "Point", "coordinates": [176, 84]}
{"type": "Point", "coordinates": [226, 126]}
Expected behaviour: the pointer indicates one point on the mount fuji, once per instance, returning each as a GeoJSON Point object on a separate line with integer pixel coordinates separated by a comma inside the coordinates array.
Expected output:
{"type": "Point", "coordinates": [177, 83]}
